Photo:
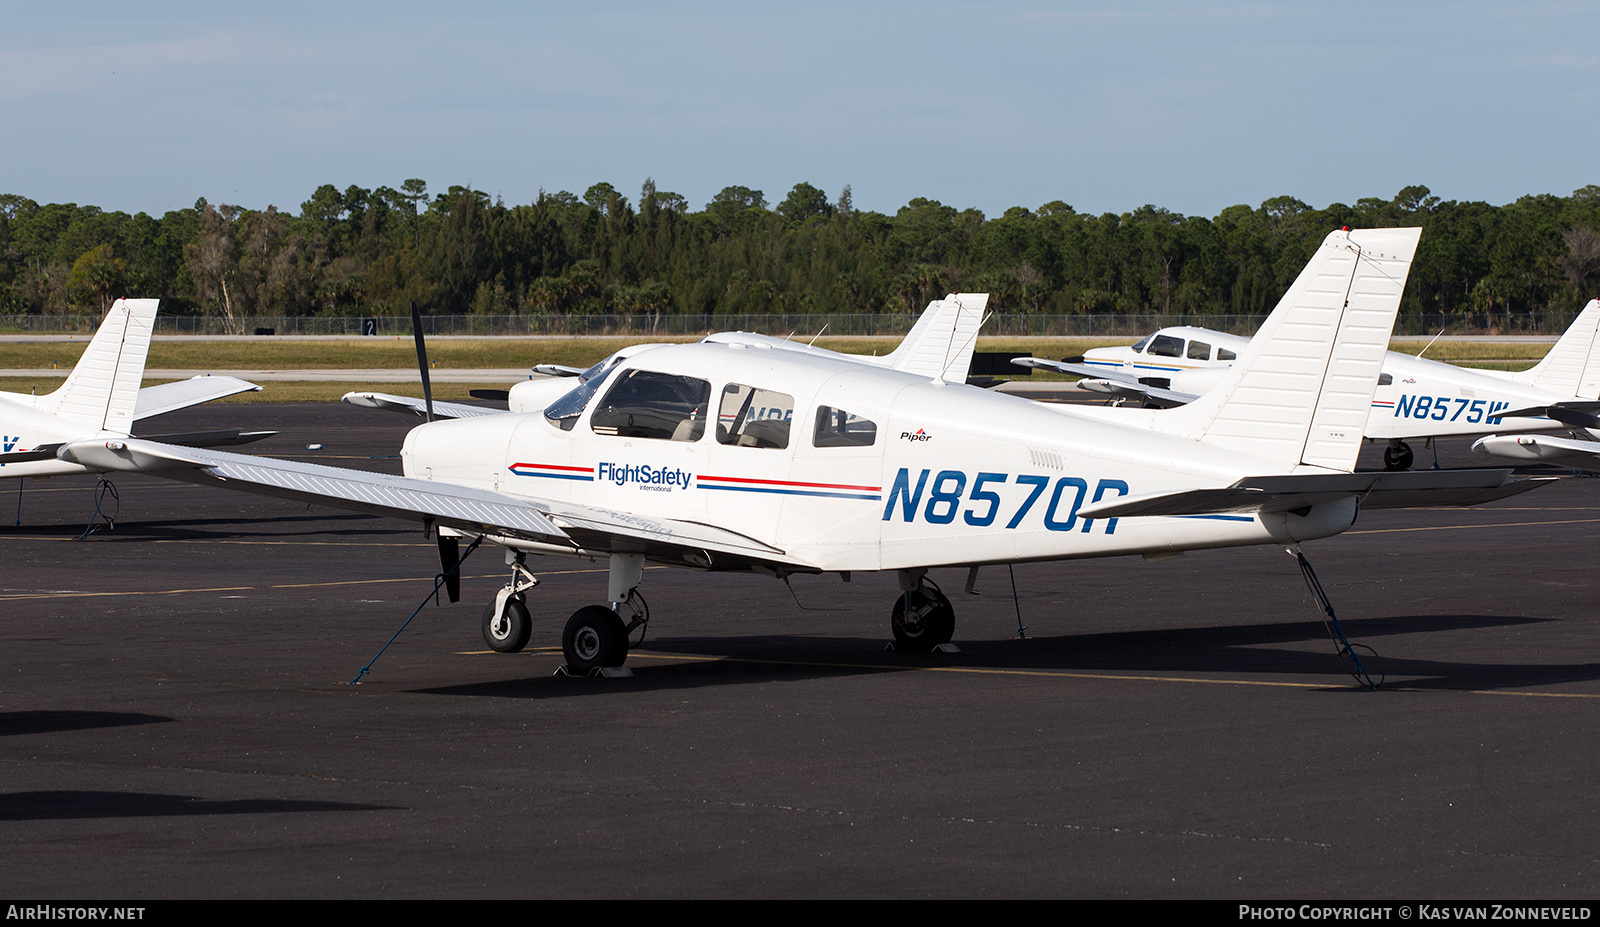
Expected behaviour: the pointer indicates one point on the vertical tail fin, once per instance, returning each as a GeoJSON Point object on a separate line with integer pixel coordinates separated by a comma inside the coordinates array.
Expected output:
{"type": "Point", "coordinates": [1302, 391]}
{"type": "Point", "coordinates": [103, 389]}
{"type": "Point", "coordinates": [940, 345]}
{"type": "Point", "coordinates": [1572, 368]}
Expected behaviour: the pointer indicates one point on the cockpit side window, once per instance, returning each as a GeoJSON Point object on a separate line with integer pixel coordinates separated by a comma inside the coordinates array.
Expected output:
{"type": "Point", "coordinates": [1166, 346]}
{"type": "Point", "coordinates": [753, 417]}
{"type": "Point", "coordinates": [1199, 350]}
{"type": "Point", "coordinates": [838, 428]}
{"type": "Point", "coordinates": [660, 406]}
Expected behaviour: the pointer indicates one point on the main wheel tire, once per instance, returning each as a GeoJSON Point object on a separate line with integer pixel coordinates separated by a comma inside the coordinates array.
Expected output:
{"type": "Point", "coordinates": [510, 634]}
{"type": "Point", "coordinates": [922, 620]}
{"type": "Point", "coordinates": [594, 637]}
{"type": "Point", "coordinates": [1398, 457]}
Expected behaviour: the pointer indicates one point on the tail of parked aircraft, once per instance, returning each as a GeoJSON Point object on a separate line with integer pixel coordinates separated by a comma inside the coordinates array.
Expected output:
{"type": "Point", "coordinates": [103, 389]}
{"type": "Point", "coordinates": [941, 343]}
{"type": "Point", "coordinates": [1301, 392]}
{"type": "Point", "coordinates": [1572, 368]}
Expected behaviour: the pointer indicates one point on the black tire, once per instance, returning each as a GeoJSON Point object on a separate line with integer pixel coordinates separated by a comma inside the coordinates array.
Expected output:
{"type": "Point", "coordinates": [922, 620]}
{"type": "Point", "coordinates": [512, 632]}
{"type": "Point", "coordinates": [594, 637]}
{"type": "Point", "coordinates": [1398, 457]}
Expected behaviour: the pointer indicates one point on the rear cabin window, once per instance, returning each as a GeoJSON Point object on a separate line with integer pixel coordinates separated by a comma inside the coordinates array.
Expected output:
{"type": "Point", "coordinates": [1199, 350]}
{"type": "Point", "coordinates": [1225, 354]}
{"type": "Point", "coordinates": [1166, 346]}
{"type": "Point", "coordinates": [753, 417]}
{"type": "Point", "coordinates": [661, 406]}
{"type": "Point", "coordinates": [838, 428]}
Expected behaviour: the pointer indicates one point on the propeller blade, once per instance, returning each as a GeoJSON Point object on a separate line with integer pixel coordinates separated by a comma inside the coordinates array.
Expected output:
{"type": "Point", "coordinates": [422, 361]}
{"type": "Point", "coordinates": [450, 562]}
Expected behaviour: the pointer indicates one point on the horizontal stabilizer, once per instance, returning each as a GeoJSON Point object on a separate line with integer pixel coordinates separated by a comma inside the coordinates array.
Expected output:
{"type": "Point", "coordinates": [1577, 413]}
{"type": "Point", "coordinates": [417, 406]}
{"type": "Point", "coordinates": [1099, 379]}
{"type": "Point", "coordinates": [558, 370]}
{"type": "Point", "coordinates": [181, 394]}
{"type": "Point", "coordinates": [1288, 493]}
{"type": "Point", "coordinates": [1568, 452]}
{"type": "Point", "coordinates": [223, 437]}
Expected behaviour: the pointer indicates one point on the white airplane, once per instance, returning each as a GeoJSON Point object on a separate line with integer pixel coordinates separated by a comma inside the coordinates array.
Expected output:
{"type": "Point", "coordinates": [1416, 398]}
{"type": "Point", "coordinates": [102, 398]}
{"type": "Point", "coordinates": [939, 345]}
{"type": "Point", "coordinates": [755, 455]}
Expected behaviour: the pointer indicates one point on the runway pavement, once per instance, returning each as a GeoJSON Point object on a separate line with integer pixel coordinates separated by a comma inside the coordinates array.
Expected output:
{"type": "Point", "coordinates": [175, 720]}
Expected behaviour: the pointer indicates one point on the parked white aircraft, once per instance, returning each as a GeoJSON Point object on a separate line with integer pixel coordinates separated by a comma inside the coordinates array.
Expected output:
{"type": "Point", "coordinates": [939, 346]}
{"type": "Point", "coordinates": [752, 454]}
{"type": "Point", "coordinates": [102, 397]}
{"type": "Point", "coordinates": [1416, 398]}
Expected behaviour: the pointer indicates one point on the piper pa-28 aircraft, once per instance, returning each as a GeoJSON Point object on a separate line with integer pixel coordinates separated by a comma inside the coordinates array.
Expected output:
{"type": "Point", "coordinates": [102, 397]}
{"type": "Point", "coordinates": [938, 346]}
{"type": "Point", "coordinates": [1415, 398]}
{"type": "Point", "coordinates": [754, 455]}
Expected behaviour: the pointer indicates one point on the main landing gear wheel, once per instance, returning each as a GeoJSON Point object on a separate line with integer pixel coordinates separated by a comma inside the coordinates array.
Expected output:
{"type": "Point", "coordinates": [509, 632]}
{"type": "Point", "coordinates": [1398, 456]}
{"type": "Point", "coordinates": [594, 637]}
{"type": "Point", "coordinates": [923, 619]}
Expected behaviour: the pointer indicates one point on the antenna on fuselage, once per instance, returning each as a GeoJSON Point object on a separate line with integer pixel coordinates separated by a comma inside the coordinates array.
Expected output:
{"type": "Point", "coordinates": [422, 358]}
{"type": "Point", "coordinates": [1430, 344]}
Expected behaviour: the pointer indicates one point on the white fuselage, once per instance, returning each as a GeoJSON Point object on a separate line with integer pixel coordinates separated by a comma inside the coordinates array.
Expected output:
{"type": "Point", "coordinates": [23, 428]}
{"type": "Point", "coordinates": [1415, 398]}
{"type": "Point", "coordinates": [951, 474]}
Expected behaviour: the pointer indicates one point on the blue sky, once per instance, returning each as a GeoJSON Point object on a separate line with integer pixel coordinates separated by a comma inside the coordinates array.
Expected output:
{"type": "Point", "coordinates": [1189, 106]}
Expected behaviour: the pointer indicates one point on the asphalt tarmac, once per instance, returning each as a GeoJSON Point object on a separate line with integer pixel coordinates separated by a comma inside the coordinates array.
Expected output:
{"type": "Point", "coordinates": [176, 719]}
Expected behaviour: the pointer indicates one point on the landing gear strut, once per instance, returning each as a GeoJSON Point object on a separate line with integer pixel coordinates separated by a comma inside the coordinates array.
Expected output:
{"type": "Point", "coordinates": [506, 623]}
{"type": "Point", "coordinates": [923, 618]}
{"type": "Point", "coordinates": [1397, 456]}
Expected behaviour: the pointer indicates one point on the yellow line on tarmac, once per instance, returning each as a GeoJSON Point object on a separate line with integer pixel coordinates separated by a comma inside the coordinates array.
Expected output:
{"type": "Point", "coordinates": [1061, 674]}
{"type": "Point", "coordinates": [14, 596]}
{"type": "Point", "coordinates": [1507, 524]}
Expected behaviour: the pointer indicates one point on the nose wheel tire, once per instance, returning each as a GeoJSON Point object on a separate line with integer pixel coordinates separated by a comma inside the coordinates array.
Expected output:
{"type": "Point", "coordinates": [922, 620]}
{"type": "Point", "coordinates": [594, 637]}
{"type": "Point", "coordinates": [509, 632]}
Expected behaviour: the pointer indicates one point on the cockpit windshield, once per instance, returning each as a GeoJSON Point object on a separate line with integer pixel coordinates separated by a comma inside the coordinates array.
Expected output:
{"type": "Point", "coordinates": [564, 412]}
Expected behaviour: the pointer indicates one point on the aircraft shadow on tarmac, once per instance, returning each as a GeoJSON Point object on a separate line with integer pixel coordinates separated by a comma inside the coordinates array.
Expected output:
{"type": "Point", "coordinates": [69, 805]}
{"type": "Point", "coordinates": [1245, 651]}
{"type": "Point", "coordinates": [13, 723]}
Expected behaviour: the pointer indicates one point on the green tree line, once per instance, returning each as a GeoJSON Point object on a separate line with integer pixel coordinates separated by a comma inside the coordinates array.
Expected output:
{"type": "Point", "coordinates": [372, 252]}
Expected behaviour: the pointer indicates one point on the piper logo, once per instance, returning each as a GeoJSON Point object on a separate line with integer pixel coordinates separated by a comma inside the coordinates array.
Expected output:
{"type": "Point", "coordinates": [658, 479]}
{"type": "Point", "coordinates": [914, 436]}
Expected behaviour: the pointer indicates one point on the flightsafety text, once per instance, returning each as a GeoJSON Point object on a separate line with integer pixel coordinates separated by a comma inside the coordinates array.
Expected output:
{"type": "Point", "coordinates": [663, 479]}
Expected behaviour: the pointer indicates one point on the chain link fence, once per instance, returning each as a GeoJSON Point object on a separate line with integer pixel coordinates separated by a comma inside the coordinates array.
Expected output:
{"type": "Point", "coordinates": [805, 325]}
